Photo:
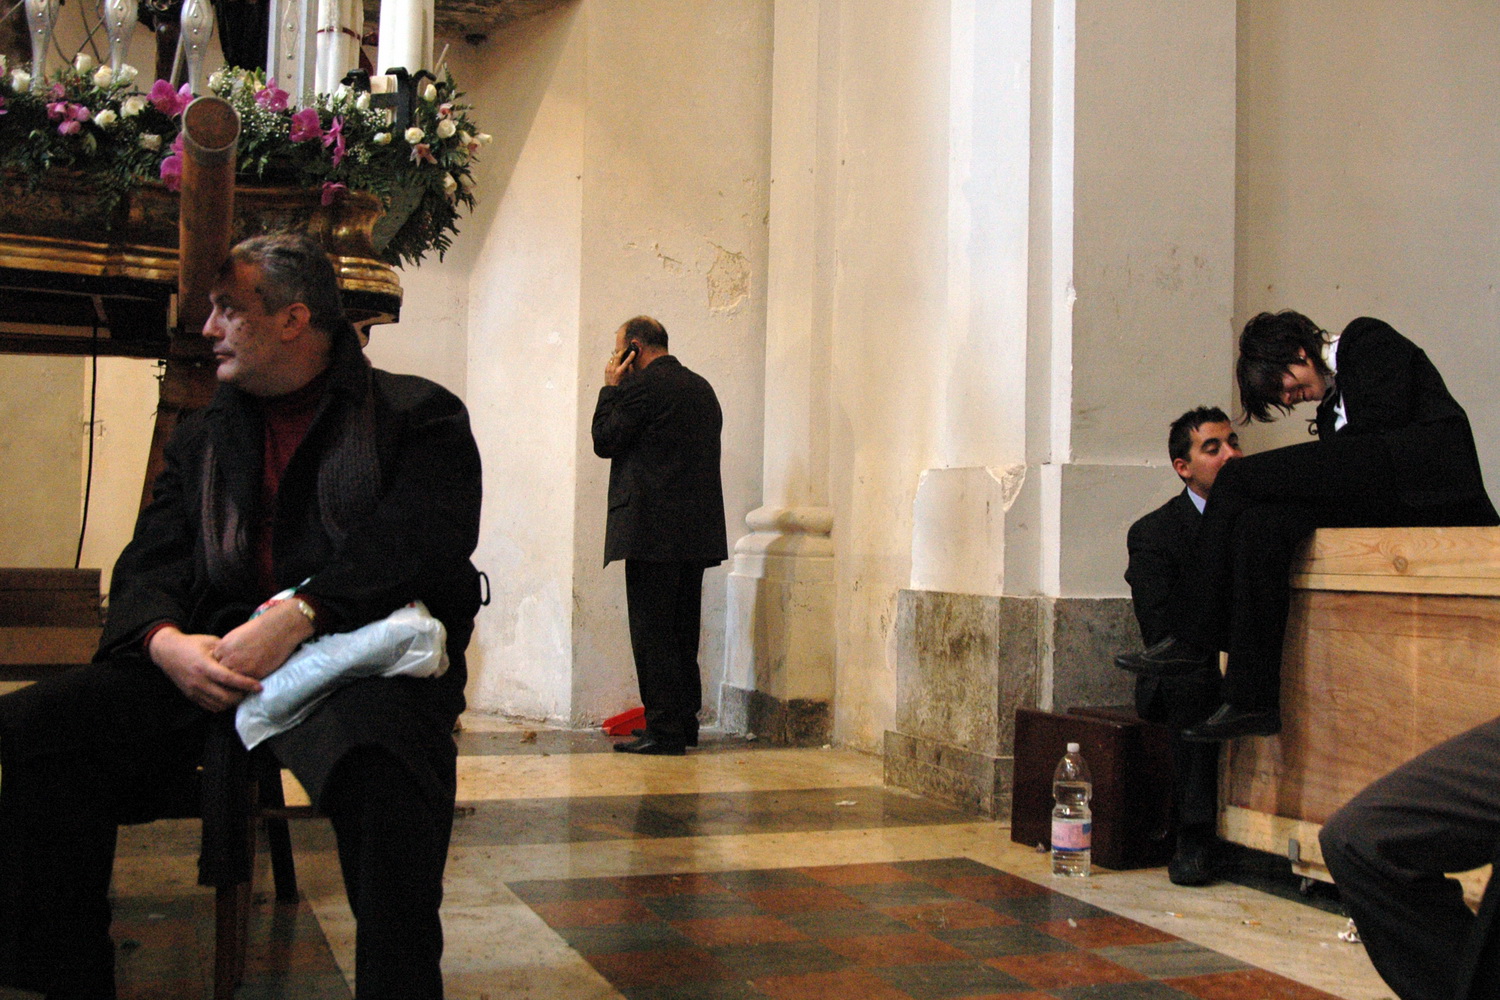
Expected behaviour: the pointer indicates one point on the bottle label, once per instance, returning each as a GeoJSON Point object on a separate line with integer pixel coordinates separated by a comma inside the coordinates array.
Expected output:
{"type": "Point", "coordinates": [1071, 835]}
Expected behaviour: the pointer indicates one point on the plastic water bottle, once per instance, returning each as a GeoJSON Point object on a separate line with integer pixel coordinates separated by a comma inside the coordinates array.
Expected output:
{"type": "Point", "coordinates": [1072, 822]}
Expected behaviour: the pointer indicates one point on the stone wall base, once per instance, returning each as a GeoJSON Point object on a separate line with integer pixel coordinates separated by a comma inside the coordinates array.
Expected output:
{"type": "Point", "coordinates": [798, 722]}
{"type": "Point", "coordinates": [966, 662]}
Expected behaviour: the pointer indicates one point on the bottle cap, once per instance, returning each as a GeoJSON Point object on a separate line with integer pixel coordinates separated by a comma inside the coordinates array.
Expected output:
{"type": "Point", "coordinates": [1072, 748]}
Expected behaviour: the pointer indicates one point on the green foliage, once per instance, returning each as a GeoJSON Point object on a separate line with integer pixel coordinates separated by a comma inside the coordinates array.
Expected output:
{"type": "Point", "coordinates": [85, 119]}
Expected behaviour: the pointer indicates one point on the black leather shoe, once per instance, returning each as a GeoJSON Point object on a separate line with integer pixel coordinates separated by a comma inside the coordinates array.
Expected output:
{"type": "Point", "coordinates": [1195, 863]}
{"type": "Point", "coordinates": [692, 737]}
{"type": "Point", "coordinates": [1229, 722]}
{"type": "Point", "coordinates": [653, 747]}
{"type": "Point", "coordinates": [1169, 658]}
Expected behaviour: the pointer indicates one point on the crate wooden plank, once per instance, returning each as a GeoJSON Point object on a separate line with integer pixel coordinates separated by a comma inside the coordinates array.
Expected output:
{"type": "Point", "coordinates": [1392, 646]}
{"type": "Point", "coordinates": [30, 645]}
{"type": "Point", "coordinates": [49, 597]}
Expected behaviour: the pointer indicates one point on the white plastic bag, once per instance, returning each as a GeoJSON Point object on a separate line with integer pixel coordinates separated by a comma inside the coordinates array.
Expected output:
{"type": "Point", "coordinates": [409, 642]}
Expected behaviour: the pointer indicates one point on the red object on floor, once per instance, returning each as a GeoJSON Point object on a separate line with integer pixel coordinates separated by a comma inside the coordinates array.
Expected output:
{"type": "Point", "coordinates": [622, 724]}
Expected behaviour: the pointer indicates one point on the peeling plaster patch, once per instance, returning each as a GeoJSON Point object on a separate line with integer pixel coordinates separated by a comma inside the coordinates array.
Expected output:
{"type": "Point", "coordinates": [728, 280]}
{"type": "Point", "coordinates": [669, 263]}
{"type": "Point", "coordinates": [1011, 478]}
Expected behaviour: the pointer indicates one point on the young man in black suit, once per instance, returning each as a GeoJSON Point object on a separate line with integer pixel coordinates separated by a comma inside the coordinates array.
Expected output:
{"type": "Point", "coordinates": [659, 425]}
{"type": "Point", "coordinates": [1161, 546]}
{"type": "Point", "coordinates": [1394, 449]}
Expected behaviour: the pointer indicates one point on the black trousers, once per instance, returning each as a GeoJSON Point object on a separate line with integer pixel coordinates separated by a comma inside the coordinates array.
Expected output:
{"type": "Point", "coordinates": [72, 770]}
{"type": "Point", "coordinates": [1180, 702]}
{"type": "Point", "coordinates": [1388, 848]}
{"type": "Point", "coordinates": [1261, 509]}
{"type": "Point", "coordinates": [665, 602]}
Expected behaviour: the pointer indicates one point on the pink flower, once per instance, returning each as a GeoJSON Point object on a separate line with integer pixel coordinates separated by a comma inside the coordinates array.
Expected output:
{"type": "Point", "coordinates": [335, 137]}
{"type": "Point", "coordinates": [2, 105]}
{"type": "Point", "coordinates": [169, 101]}
{"type": "Point", "coordinates": [271, 97]}
{"type": "Point", "coordinates": [445, 109]}
{"type": "Point", "coordinates": [332, 191]}
{"type": "Point", "coordinates": [171, 172]}
{"type": "Point", "coordinates": [69, 114]}
{"type": "Point", "coordinates": [58, 93]}
{"type": "Point", "coordinates": [422, 151]}
{"type": "Point", "coordinates": [305, 125]}
{"type": "Point", "coordinates": [171, 167]}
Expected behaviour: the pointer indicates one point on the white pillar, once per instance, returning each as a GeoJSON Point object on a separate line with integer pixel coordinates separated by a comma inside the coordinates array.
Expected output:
{"type": "Point", "coordinates": [779, 646]}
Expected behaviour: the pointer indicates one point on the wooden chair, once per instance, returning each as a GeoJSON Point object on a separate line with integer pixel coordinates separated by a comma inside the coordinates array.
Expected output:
{"type": "Point", "coordinates": [232, 903]}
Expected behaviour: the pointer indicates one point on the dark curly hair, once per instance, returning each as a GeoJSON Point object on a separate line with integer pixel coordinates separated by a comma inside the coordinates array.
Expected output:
{"type": "Point", "coordinates": [1270, 344]}
{"type": "Point", "coordinates": [294, 268]}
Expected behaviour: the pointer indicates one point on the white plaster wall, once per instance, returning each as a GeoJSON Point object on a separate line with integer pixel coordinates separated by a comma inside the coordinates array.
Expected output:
{"type": "Point", "coordinates": [628, 175]}
{"type": "Point", "coordinates": [676, 160]}
{"type": "Point", "coordinates": [889, 327]}
{"type": "Point", "coordinates": [124, 419]}
{"type": "Point", "coordinates": [523, 248]}
{"type": "Point", "coordinates": [1153, 222]}
{"type": "Point", "coordinates": [42, 415]}
{"type": "Point", "coordinates": [1368, 171]}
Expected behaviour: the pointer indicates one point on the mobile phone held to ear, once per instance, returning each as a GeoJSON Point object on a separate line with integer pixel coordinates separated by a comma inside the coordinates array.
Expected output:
{"type": "Point", "coordinates": [628, 356]}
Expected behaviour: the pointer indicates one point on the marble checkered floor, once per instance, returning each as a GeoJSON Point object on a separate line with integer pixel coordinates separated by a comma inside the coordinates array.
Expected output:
{"type": "Point", "coordinates": [738, 872]}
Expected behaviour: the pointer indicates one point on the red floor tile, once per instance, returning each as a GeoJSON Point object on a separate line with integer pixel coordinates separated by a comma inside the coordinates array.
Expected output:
{"type": "Point", "coordinates": [895, 949]}
{"type": "Point", "coordinates": [1246, 984]}
{"type": "Point", "coordinates": [802, 900]}
{"type": "Point", "coordinates": [997, 886]}
{"type": "Point", "coordinates": [1104, 932]}
{"type": "Point", "coordinates": [667, 885]}
{"type": "Point", "coordinates": [591, 912]}
{"type": "Point", "coordinates": [1065, 968]}
{"type": "Point", "coordinates": [848, 984]}
{"type": "Point", "coordinates": [873, 874]}
{"type": "Point", "coordinates": [711, 932]}
{"type": "Point", "coordinates": [663, 967]}
{"type": "Point", "coordinates": [958, 916]}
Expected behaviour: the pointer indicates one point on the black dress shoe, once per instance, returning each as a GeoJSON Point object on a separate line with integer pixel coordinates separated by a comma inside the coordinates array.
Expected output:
{"type": "Point", "coordinates": [691, 740]}
{"type": "Point", "coordinates": [1229, 722]}
{"type": "Point", "coordinates": [653, 747]}
{"type": "Point", "coordinates": [1171, 657]}
{"type": "Point", "coordinates": [1195, 863]}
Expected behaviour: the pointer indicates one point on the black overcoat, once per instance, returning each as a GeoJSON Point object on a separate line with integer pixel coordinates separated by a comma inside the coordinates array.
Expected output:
{"type": "Point", "coordinates": [1392, 390]}
{"type": "Point", "coordinates": [413, 543]}
{"type": "Point", "coordinates": [660, 428]}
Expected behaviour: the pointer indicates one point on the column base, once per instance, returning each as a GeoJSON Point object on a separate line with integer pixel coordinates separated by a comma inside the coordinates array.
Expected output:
{"type": "Point", "coordinates": [797, 722]}
{"type": "Point", "coordinates": [966, 662]}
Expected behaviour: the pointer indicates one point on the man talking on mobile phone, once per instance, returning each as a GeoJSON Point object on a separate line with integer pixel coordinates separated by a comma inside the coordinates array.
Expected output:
{"type": "Point", "coordinates": [659, 425]}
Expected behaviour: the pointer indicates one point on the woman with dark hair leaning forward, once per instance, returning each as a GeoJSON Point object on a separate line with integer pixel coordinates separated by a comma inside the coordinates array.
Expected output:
{"type": "Point", "coordinates": [1394, 449]}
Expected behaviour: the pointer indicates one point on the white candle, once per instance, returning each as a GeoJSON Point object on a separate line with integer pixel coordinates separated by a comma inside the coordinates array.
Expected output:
{"type": "Point", "coordinates": [340, 25]}
{"type": "Point", "coordinates": [405, 35]}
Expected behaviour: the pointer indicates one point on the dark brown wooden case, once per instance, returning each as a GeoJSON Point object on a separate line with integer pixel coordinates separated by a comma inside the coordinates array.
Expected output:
{"type": "Point", "coordinates": [1131, 764]}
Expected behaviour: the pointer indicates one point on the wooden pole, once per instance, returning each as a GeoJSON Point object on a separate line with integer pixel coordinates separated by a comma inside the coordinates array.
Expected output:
{"type": "Point", "coordinates": [210, 139]}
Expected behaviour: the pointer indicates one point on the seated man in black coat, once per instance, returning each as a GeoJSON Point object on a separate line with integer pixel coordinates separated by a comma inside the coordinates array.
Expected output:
{"type": "Point", "coordinates": [1160, 544]}
{"type": "Point", "coordinates": [309, 469]}
{"type": "Point", "coordinates": [1394, 449]}
{"type": "Point", "coordinates": [1389, 848]}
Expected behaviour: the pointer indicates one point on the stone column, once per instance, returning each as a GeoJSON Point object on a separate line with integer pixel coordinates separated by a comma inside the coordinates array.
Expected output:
{"type": "Point", "coordinates": [1129, 263]}
{"type": "Point", "coordinates": [779, 655]}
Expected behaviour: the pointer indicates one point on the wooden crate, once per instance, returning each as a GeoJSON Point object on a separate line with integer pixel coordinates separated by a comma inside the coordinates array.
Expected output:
{"type": "Point", "coordinates": [1393, 645]}
{"type": "Point", "coordinates": [49, 620]}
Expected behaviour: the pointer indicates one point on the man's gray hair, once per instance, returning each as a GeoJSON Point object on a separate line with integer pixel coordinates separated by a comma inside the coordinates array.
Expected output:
{"type": "Point", "coordinates": [294, 268]}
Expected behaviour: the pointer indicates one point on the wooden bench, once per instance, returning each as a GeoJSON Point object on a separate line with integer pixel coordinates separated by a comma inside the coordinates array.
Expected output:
{"type": "Point", "coordinates": [1393, 645]}
{"type": "Point", "coordinates": [49, 620]}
